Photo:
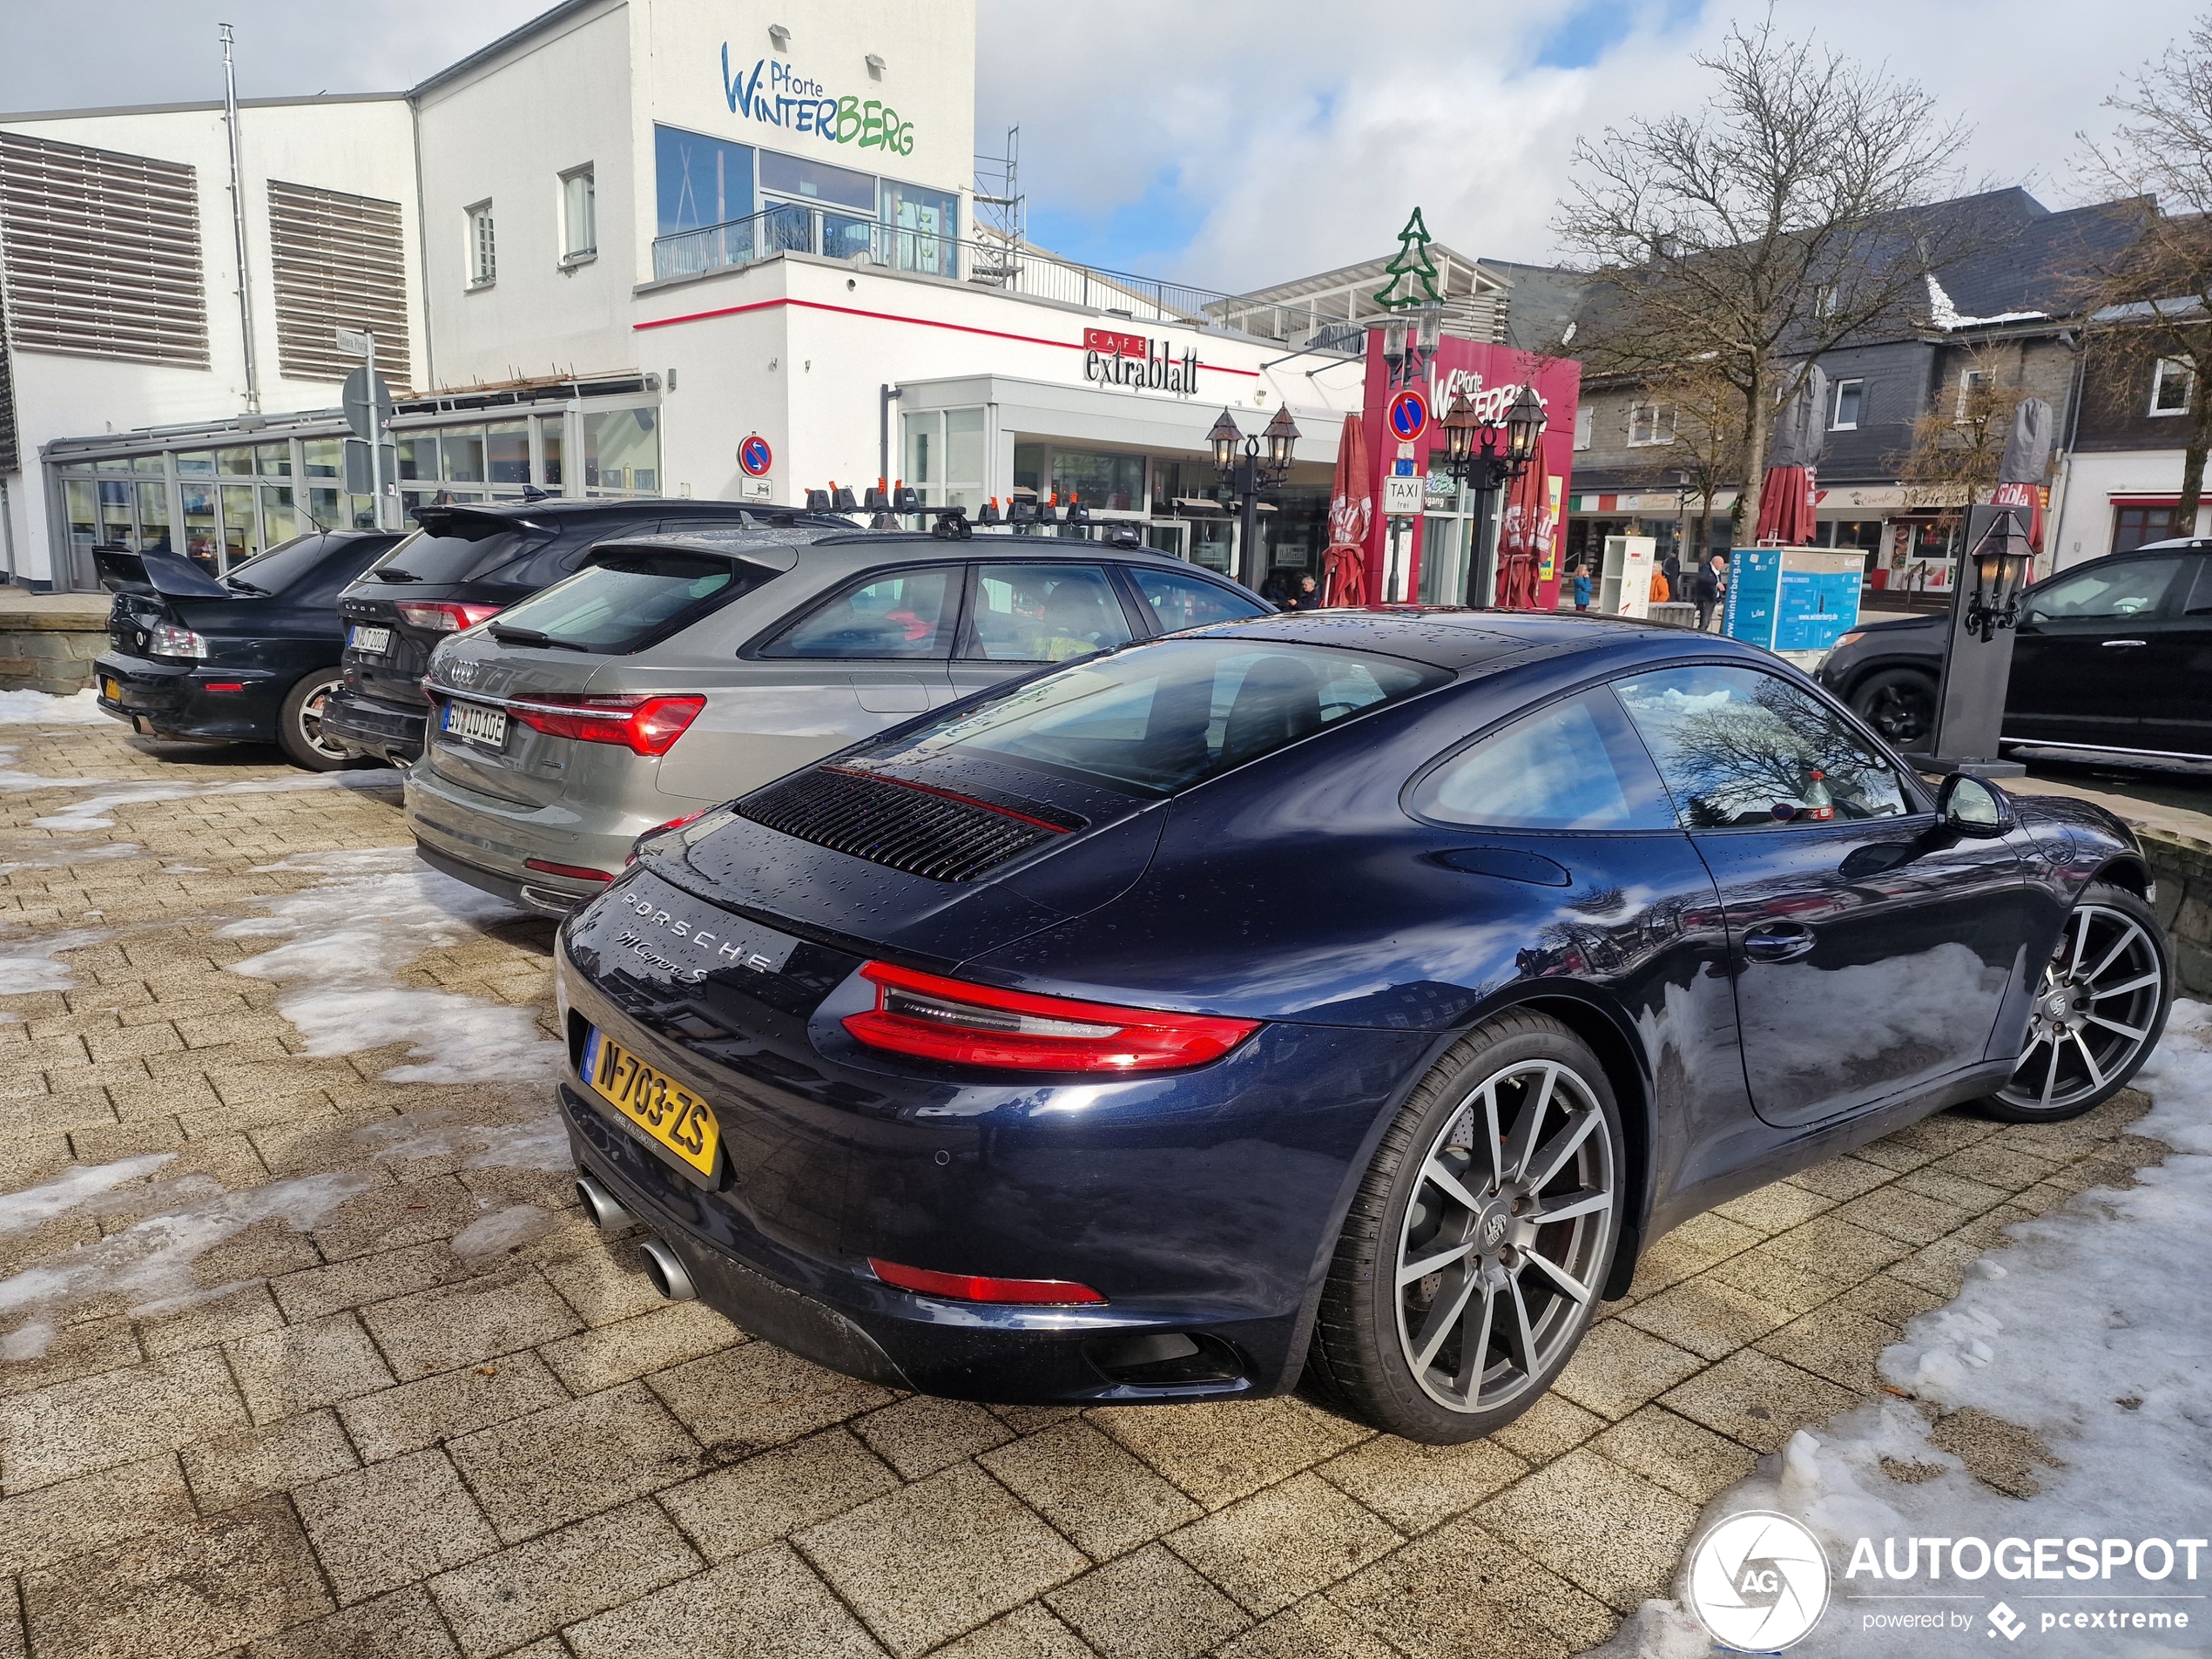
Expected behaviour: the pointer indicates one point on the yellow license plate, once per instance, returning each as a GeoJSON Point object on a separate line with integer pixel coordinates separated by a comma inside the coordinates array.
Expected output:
{"type": "Point", "coordinates": [113, 689]}
{"type": "Point", "coordinates": [671, 1114]}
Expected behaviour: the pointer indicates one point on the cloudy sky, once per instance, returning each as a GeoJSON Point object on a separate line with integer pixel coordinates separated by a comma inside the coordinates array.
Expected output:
{"type": "Point", "coordinates": [1232, 143]}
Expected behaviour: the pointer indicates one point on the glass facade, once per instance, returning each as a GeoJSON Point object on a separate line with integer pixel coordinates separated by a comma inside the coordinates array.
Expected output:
{"type": "Point", "coordinates": [699, 181]}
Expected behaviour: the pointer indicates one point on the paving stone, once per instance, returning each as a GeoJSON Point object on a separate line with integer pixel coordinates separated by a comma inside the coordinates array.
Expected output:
{"type": "Point", "coordinates": [1460, 1593]}
{"type": "Point", "coordinates": [536, 1472]}
{"type": "Point", "coordinates": [920, 1435]}
{"type": "Point", "coordinates": [1835, 1342]}
{"type": "Point", "coordinates": [1596, 1525]}
{"type": "Point", "coordinates": [535, 1588]}
{"type": "Point", "coordinates": [38, 1528]}
{"type": "Point", "coordinates": [1694, 1246]}
{"type": "Point", "coordinates": [1915, 1217]}
{"type": "Point", "coordinates": [117, 1417]}
{"type": "Point", "coordinates": [1553, 1426]}
{"type": "Point", "coordinates": [1758, 1399]}
{"type": "Point", "coordinates": [1936, 1183]}
{"type": "Point", "coordinates": [1415, 1488]}
{"type": "Point", "coordinates": [302, 1367]}
{"type": "Point", "coordinates": [1219, 1451]}
{"type": "Point", "coordinates": [254, 1462]}
{"type": "Point", "coordinates": [759, 1395]}
{"type": "Point", "coordinates": [417, 1414]}
{"type": "Point", "coordinates": [1706, 1315]}
{"type": "Point", "coordinates": [404, 1625]}
{"type": "Point", "coordinates": [314, 1291]}
{"type": "Point", "coordinates": [199, 1588]}
{"type": "Point", "coordinates": [1688, 1460]}
{"type": "Point", "coordinates": [1031, 1631]}
{"type": "Point", "coordinates": [82, 1349]}
{"type": "Point", "coordinates": [1618, 1368]}
{"type": "Point", "coordinates": [767, 1605]}
{"type": "Point", "coordinates": [1269, 1549]}
{"type": "Point", "coordinates": [1316, 1629]}
{"type": "Point", "coordinates": [387, 1524]}
{"type": "Point", "coordinates": [668, 1335]}
{"type": "Point", "coordinates": [1775, 1207]}
{"type": "Point", "coordinates": [468, 1323]}
{"type": "Point", "coordinates": [1764, 1272]}
{"type": "Point", "coordinates": [1087, 1486]}
{"type": "Point", "coordinates": [248, 1311]}
{"type": "Point", "coordinates": [729, 1511]}
{"type": "Point", "coordinates": [1148, 1605]}
{"type": "Point", "coordinates": [1890, 1298]}
{"type": "Point", "coordinates": [1842, 1178]}
{"type": "Point", "coordinates": [975, 1552]}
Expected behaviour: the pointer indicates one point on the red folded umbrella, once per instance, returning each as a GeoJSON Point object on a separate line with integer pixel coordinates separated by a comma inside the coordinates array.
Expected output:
{"type": "Point", "coordinates": [2020, 472]}
{"type": "Point", "coordinates": [1522, 534]}
{"type": "Point", "coordinates": [1785, 507]}
{"type": "Point", "coordinates": [1352, 514]}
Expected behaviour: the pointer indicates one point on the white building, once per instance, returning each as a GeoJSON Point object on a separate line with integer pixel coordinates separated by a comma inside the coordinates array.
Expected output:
{"type": "Point", "coordinates": [599, 256]}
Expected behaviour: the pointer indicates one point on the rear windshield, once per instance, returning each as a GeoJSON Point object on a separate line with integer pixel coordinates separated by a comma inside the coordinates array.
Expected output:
{"type": "Point", "coordinates": [284, 564]}
{"type": "Point", "coordinates": [462, 551]}
{"type": "Point", "coordinates": [626, 598]}
{"type": "Point", "coordinates": [1156, 720]}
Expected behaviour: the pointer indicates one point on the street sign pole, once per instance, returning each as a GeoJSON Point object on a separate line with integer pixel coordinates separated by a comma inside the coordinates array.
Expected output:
{"type": "Point", "coordinates": [376, 430]}
{"type": "Point", "coordinates": [368, 414]}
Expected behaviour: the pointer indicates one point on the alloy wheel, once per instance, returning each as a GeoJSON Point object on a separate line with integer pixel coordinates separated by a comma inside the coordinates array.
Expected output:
{"type": "Point", "coordinates": [311, 723]}
{"type": "Point", "coordinates": [1504, 1236]}
{"type": "Point", "coordinates": [2093, 1012]}
{"type": "Point", "coordinates": [1900, 713]}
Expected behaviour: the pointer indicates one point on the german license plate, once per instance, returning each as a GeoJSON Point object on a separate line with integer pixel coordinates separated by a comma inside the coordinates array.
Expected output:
{"type": "Point", "coordinates": [671, 1114]}
{"type": "Point", "coordinates": [476, 722]}
{"type": "Point", "coordinates": [375, 642]}
{"type": "Point", "coordinates": [112, 689]}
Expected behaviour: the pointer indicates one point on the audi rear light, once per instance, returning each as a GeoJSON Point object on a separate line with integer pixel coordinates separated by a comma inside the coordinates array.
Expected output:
{"type": "Point", "coordinates": [973, 1287]}
{"type": "Point", "coordinates": [443, 616]}
{"type": "Point", "coordinates": [645, 726]}
{"type": "Point", "coordinates": [574, 872]}
{"type": "Point", "coordinates": [935, 1018]}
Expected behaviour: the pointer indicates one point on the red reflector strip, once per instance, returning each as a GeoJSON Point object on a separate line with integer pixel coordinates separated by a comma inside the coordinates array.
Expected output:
{"type": "Point", "coordinates": [224, 686]}
{"type": "Point", "coordinates": [946, 794]}
{"type": "Point", "coordinates": [574, 872]}
{"type": "Point", "coordinates": [934, 1018]}
{"type": "Point", "coordinates": [972, 1287]}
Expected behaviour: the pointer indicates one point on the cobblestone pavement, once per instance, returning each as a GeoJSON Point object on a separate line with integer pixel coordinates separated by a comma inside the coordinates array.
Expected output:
{"type": "Point", "coordinates": [312, 1359]}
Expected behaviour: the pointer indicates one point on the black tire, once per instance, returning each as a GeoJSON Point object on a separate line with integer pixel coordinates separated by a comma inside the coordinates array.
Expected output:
{"type": "Point", "coordinates": [299, 725]}
{"type": "Point", "coordinates": [1901, 704]}
{"type": "Point", "coordinates": [1373, 1321]}
{"type": "Point", "coordinates": [2101, 1011]}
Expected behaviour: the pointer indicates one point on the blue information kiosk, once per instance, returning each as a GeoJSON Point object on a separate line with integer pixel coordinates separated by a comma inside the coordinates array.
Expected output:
{"type": "Point", "coordinates": [1793, 598]}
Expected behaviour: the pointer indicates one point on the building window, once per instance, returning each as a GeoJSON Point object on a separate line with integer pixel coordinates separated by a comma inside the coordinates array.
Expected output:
{"type": "Point", "coordinates": [2134, 526]}
{"type": "Point", "coordinates": [1650, 423]}
{"type": "Point", "coordinates": [337, 261]}
{"type": "Point", "coordinates": [947, 457]}
{"type": "Point", "coordinates": [1842, 405]}
{"type": "Point", "coordinates": [1582, 414]}
{"type": "Point", "coordinates": [484, 253]}
{"type": "Point", "coordinates": [923, 226]}
{"type": "Point", "coordinates": [622, 453]}
{"type": "Point", "coordinates": [579, 216]}
{"type": "Point", "coordinates": [2172, 384]}
{"type": "Point", "coordinates": [1973, 384]}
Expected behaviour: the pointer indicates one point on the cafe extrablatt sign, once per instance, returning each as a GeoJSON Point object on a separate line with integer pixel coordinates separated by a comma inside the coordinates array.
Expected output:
{"type": "Point", "coordinates": [1115, 359]}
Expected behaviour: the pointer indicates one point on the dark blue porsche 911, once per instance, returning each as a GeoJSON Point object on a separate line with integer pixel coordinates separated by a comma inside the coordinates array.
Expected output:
{"type": "Point", "coordinates": [1351, 995]}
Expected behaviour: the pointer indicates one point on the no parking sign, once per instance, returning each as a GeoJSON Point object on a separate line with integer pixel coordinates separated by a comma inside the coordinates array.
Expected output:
{"type": "Point", "coordinates": [1407, 414]}
{"type": "Point", "coordinates": [755, 456]}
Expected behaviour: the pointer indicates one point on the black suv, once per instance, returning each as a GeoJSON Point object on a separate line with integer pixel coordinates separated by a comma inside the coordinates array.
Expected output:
{"type": "Point", "coordinates": [467, 562]}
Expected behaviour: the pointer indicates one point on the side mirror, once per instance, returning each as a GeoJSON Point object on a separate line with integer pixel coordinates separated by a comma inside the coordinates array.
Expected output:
{"type": "Point", "coordinates": [1974, 806]}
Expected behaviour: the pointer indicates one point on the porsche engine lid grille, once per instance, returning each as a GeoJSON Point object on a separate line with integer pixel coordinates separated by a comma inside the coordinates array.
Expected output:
{"type": "Point", "coordinates": [915, 828]}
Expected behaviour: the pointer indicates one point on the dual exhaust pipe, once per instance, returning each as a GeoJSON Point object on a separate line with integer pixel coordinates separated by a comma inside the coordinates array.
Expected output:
{"type": "Point", "coordinates": [662, 1265]}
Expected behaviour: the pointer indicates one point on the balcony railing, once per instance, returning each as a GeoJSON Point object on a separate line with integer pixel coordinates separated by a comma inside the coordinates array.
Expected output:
{"type": "Point", "coordinates": [1009, 267]}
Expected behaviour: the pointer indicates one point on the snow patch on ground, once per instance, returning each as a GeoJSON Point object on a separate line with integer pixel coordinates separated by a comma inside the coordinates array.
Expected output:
{"type": "Point", "coordinates": [31, 967]}
{"type": "Point", "coordinates": [43, 708]}
{"type": "Point", "coordinates": [32, 1208]}
{"type": "Point", "coordinates": [63, 858]}
{"type": "Point", "coordinates": [2091, 1331]}
{"type": "Point", "coordinates": [535, 1144]}
{"type": "Point", "coordinates": [503, 1230]}
{"type": "Point", "coordinates": [93, 814]}
{"type": "Point", "coordinates": [14, 782]}
{"type": "Point", "coordinates": [348, 937]}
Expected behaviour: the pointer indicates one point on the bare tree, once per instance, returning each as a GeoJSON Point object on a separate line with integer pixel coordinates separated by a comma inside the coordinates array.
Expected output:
{"type": "Point", "coordinates": [1767, 228]}
{"type": "Point", "coordinates": [1704, 412]}
{"type": "Point", "coordinates": [1958, 441]}
{"type": "Point", "coordinates": [2152, 302]}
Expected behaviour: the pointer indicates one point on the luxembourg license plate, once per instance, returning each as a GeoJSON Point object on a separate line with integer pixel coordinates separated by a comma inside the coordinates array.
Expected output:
{"type": "Point", "coordinates": [476, 722]}
{"type": "Point", "coordinates": [671, 1114]}
{"type": "Point", "coordinates": [373, 642]}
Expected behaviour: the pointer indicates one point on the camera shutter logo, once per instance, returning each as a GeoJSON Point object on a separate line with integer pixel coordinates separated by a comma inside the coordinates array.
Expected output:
{"type": "Point", "coordinates": [1758, 1580]}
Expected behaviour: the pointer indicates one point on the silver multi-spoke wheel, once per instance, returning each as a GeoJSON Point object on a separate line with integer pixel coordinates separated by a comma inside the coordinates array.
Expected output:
{"type": "Point", "coordinates": [2097, 1010]}
{"type": "Point", "coordinates": [1505, 1238]}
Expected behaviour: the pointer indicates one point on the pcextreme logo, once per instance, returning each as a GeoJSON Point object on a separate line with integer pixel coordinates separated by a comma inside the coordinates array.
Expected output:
{"type": "Point", "coordinates": [1758, 1580]}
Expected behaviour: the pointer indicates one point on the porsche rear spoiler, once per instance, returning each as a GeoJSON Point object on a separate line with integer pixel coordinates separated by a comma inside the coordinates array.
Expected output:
{"type": "Point", "coordinates": [167, 574]}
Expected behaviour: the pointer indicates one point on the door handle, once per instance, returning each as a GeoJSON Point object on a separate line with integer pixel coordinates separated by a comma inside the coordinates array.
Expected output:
{"type": "Point", "coordinates": [1783, 942]}
{"type": "Point", "coordinates": [2114, 644]}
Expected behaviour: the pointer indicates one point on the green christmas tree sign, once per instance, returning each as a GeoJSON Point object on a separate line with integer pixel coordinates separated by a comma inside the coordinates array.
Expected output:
{"type": "Point", "coordinates": [1411, 265]}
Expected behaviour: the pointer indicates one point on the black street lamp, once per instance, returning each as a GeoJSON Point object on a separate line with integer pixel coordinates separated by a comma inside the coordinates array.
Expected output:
{"type": "Point", "coordinates": [1474, 461]}
{"type": "Point", "coordinates": [1263, 464]}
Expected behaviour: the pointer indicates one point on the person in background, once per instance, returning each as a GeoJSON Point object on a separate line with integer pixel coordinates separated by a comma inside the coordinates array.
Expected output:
{"type": "Point", "coordinates": [1305, 595]}
{"type": "Point", "coordinates": [1711, 584]}
{"type": "Point", "coordinates": [1581, 574]}
{"type": "Point", "coordinates": [1670, 567]}
{"type": "Point", "coordinates": [1662, 590]}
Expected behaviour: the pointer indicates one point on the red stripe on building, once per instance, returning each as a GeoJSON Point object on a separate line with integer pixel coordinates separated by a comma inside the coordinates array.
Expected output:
{"type": "Point", "coordinates": [888, 316]}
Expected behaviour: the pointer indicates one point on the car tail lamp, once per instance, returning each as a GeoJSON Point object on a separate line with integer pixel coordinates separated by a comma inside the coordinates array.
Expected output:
{"type": "Point", "coordinates": [645, 726]}
{"type": "Point", "coordinates": [972, 1287]}
{"type": "Point", "coordinates": [574, 872]}
{"type": "Point", "coordinates": [443, 616]}
{"type": "Point", "coordinates": [224, 686]}
{"type": "Point", "coordinates": [663, 829]}
{"type": "Point", "coordinates": [935, 1018]}
{"type": "Point", "coordinates": [169, 639]}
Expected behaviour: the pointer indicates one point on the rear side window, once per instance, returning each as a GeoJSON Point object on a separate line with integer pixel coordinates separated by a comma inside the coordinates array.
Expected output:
{"type": "Point", "coordinates": [1743, 750]}
{"type": "Point", "coordinates": [1044, 613]}
{"type": "Point", "coordinates": [627, 598]}
{"type": "Point", "coordinates": [909, 615]}
{"type": "Point", "coordinates": [2124, 589]}
{"type": "Point", "coordinates": [1178, 601]}
{"type": "Point", "coordinates": [285, 563]}
{"type": "Point", "coordinates": [1157, 719]}
{"type": "Point", "coordinates": [1574, 765]}
{"type": "Point", "coordinates": [464, 550]}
